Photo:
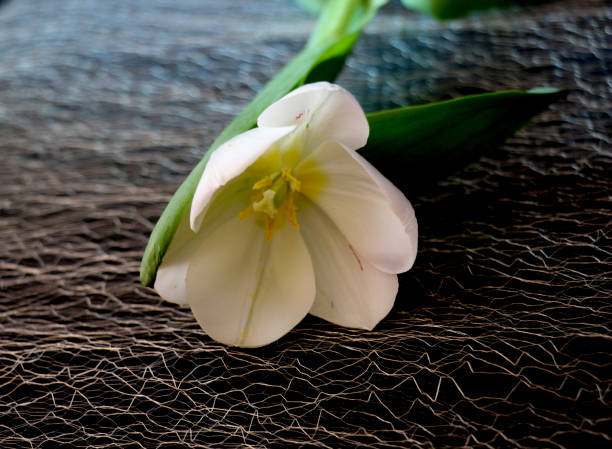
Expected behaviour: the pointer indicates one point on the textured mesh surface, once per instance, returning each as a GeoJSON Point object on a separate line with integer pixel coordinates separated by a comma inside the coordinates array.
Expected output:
{"type": "Point", "coordinates": [500, 336]}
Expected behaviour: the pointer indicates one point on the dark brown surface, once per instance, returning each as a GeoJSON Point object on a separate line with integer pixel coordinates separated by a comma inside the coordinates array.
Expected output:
{"type": "Point", "coordinates": [500, 336]}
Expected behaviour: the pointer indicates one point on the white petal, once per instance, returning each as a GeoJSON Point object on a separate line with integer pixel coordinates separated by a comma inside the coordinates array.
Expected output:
{"type": "Point", "coordinates": [350, 291]}
{"type": "Point", "coordinates": [245, 291]}
{"type": "Point", "coordinates": [331, 112]}
{"type": "Point", "coordinates": [172, 272]}
{"type": "Point", "coordinates": [229, 161]}
{"type": "Point", "coordinates": [375, 217]}
{"type": "Point", "coordinates": [399, 204]}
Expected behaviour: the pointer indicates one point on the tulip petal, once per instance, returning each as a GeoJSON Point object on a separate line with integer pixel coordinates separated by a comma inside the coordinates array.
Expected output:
{"type": "Point", "coordinates": [350, 291]}
{"type": "Point", "coordinates": [373, 215]}
{"type": "Point", "coordinates": [229, 161]}
{"type": "Point", "coordinates": [245, 291]}
{"type": "Point", "coordinates": [172, 272]}
{"type": "Point", "coordinates": [331, 112]}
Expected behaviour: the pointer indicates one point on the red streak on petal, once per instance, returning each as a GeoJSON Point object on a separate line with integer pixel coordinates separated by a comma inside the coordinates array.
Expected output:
{"type": "Point", "coordinates": [356, 256]}
{"type": "Point", "coordinates": [299, 116]}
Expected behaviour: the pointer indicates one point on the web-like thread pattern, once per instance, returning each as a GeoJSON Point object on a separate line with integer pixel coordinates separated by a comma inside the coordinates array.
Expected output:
{"type": "Point", "coordinates": [501, 333]}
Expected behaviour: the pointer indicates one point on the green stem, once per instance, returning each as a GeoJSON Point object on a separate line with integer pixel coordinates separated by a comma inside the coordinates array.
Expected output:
{"type": "Point", "coordinates": [334, 21]}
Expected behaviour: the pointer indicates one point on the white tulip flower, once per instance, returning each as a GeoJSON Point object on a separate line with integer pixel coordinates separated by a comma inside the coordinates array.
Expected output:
{"type": "Point", "coordinates": [289, 219]}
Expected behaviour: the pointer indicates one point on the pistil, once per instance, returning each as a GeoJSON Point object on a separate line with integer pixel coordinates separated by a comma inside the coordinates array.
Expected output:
{"type": "Point", "coordinates": [275, 193]}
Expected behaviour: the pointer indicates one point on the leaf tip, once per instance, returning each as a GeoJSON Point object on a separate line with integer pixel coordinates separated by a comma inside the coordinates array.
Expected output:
{"type": "Point", "coordinates": [544, 90]}
{"type": "Point", "coordinates": [149, 260]}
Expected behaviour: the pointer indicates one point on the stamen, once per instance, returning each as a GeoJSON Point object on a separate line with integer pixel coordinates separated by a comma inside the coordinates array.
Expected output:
{"type": "Point", "coordinates": [270, 229]}
{"type": "Point", "coordinates": [249, 210]}
{"type": "Point", "coordinates": [275, 193]}
{"type": "Point", "coordinates": [264, 182]}
{"type": "Point", "coordinates": [246, 212]}
{"type": "Point", "coordinates": [295, 183]}
{"type": "Point", "coordinates": [292, 214]}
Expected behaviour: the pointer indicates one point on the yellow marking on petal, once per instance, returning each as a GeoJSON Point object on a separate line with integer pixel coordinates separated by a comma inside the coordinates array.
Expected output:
{"type": "Point", "coordinates": [267, 163]}
{"type": "Point", "coordinates": [291, 157]}
{"type": "Point", "coordinates": [243, 335]}
{"type": "Point", "coordinates": [313, 178]}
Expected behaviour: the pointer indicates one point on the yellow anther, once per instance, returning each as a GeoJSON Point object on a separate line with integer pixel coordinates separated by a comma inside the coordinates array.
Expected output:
{"type": "Point", "coordinates": [295, 183]}
{"type": "Point", "coordinates": [269, 229]}
{"type": "Point", "coordinates": [264, 182]}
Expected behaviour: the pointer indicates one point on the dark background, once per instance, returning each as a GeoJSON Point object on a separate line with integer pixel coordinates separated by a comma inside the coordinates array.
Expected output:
{"type": "Point", "coordinates": [500, 336]}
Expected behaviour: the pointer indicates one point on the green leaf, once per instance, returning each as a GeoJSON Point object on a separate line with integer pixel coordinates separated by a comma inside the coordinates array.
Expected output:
{"type": "Point", "coordinates": [450, 9]}
{"type": "Point", "coordinates": [339, 26]}
{"type": "Point", "coordinates": [418, 145]}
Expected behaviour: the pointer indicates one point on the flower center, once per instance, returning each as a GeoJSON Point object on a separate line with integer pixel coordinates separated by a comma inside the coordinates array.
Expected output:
{"type": "Point", "coordinates": [275, 200]}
